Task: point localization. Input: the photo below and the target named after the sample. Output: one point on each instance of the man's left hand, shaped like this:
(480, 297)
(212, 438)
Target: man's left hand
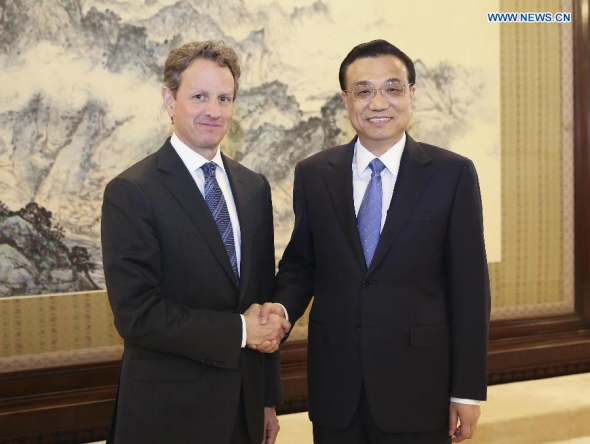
(463, 420)
(271, 425)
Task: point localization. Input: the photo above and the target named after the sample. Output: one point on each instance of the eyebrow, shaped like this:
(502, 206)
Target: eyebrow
(207, 92)
(367, 82)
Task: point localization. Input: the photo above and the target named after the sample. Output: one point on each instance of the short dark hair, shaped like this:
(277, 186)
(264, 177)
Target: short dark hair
(214, 50)
(375, 48)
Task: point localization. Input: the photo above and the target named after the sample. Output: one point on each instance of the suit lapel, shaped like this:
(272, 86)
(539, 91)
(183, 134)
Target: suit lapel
(181, 184)
(411, 181)
(339, 183)
(240, 192)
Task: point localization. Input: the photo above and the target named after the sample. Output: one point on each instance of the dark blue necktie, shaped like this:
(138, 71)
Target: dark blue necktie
(369, 216)
(218, 207)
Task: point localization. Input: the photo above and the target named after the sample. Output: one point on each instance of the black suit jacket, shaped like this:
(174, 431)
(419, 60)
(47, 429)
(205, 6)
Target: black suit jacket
(176, 303)
(413, 327)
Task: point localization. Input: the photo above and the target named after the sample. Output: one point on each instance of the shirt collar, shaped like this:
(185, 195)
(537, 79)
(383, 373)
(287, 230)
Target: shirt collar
(391, 158)
(191, 158)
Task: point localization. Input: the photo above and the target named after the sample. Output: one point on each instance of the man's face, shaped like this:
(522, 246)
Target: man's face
(381, 121)
(203, 106)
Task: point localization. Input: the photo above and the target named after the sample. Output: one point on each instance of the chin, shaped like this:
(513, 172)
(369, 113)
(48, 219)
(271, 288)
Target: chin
(208, 144)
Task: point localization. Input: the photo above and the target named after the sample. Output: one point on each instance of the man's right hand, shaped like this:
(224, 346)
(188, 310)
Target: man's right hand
(269, 309)
(264, 337)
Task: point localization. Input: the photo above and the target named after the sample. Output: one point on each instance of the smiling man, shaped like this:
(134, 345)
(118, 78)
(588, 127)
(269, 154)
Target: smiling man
(388, 238)
(187, 237)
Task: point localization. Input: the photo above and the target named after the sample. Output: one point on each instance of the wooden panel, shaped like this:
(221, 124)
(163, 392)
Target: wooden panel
(582, 155)
(69, 404)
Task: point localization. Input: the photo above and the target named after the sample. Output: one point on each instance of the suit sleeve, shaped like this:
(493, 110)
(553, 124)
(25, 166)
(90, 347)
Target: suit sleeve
(272, 365)
(294, 283)
(469, 289)
(133, 272)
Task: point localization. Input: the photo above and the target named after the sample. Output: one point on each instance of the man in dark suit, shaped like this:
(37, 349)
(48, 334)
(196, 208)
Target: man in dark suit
(388, 238)
(187, 238)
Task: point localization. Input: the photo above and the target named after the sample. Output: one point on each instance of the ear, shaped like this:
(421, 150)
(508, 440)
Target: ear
(169, 100)
(412, 91)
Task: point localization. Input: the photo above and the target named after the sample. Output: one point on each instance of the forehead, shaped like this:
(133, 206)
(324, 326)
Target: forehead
(204, 73)
(376, 70)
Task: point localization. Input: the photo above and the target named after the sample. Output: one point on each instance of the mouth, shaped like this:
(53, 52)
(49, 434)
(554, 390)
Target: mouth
(380, 119)
(209, 124)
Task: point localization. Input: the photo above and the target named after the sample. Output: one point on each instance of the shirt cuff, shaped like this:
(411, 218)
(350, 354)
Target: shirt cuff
(465, 401)
(244, 332)
(285, 310)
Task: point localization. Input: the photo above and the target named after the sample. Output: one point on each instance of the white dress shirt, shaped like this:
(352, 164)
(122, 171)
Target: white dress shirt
(193, 162)
(361, 174)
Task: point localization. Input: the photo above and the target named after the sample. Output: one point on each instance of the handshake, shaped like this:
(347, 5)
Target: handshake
(266, 326)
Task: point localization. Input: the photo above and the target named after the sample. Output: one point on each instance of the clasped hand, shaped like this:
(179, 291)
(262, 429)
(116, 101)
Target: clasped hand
(266, 326)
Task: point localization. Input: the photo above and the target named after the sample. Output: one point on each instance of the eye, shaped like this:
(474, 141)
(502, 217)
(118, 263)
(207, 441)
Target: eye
(200, 97)
(362, 91)
(394, 88)
(225, 100)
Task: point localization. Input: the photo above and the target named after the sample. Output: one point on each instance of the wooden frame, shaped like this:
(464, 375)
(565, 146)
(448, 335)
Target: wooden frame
(74, 404)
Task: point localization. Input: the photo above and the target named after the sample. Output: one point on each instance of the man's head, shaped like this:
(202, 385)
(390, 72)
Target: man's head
(377, 82)
(214, 50)
(375, 48)
(200, 85)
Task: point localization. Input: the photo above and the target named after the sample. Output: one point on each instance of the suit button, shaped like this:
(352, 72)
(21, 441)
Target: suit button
(366, 284)
(358, 327)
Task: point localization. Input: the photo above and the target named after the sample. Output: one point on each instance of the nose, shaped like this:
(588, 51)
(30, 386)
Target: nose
(379, 101)
(212, 109)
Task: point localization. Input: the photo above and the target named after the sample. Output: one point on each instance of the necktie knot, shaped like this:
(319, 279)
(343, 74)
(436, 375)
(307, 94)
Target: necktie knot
(209, 170)
(376, 166)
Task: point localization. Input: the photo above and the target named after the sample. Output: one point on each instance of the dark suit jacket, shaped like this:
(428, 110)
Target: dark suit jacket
(413, 327)
(176, 303)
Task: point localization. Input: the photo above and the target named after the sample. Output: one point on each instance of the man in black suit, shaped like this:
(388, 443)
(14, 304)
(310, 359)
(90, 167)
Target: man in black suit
(187, 237)
(388, 238)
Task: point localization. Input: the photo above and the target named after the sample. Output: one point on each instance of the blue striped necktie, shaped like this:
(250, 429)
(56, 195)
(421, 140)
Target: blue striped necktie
(218, 207)
(369, 216)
